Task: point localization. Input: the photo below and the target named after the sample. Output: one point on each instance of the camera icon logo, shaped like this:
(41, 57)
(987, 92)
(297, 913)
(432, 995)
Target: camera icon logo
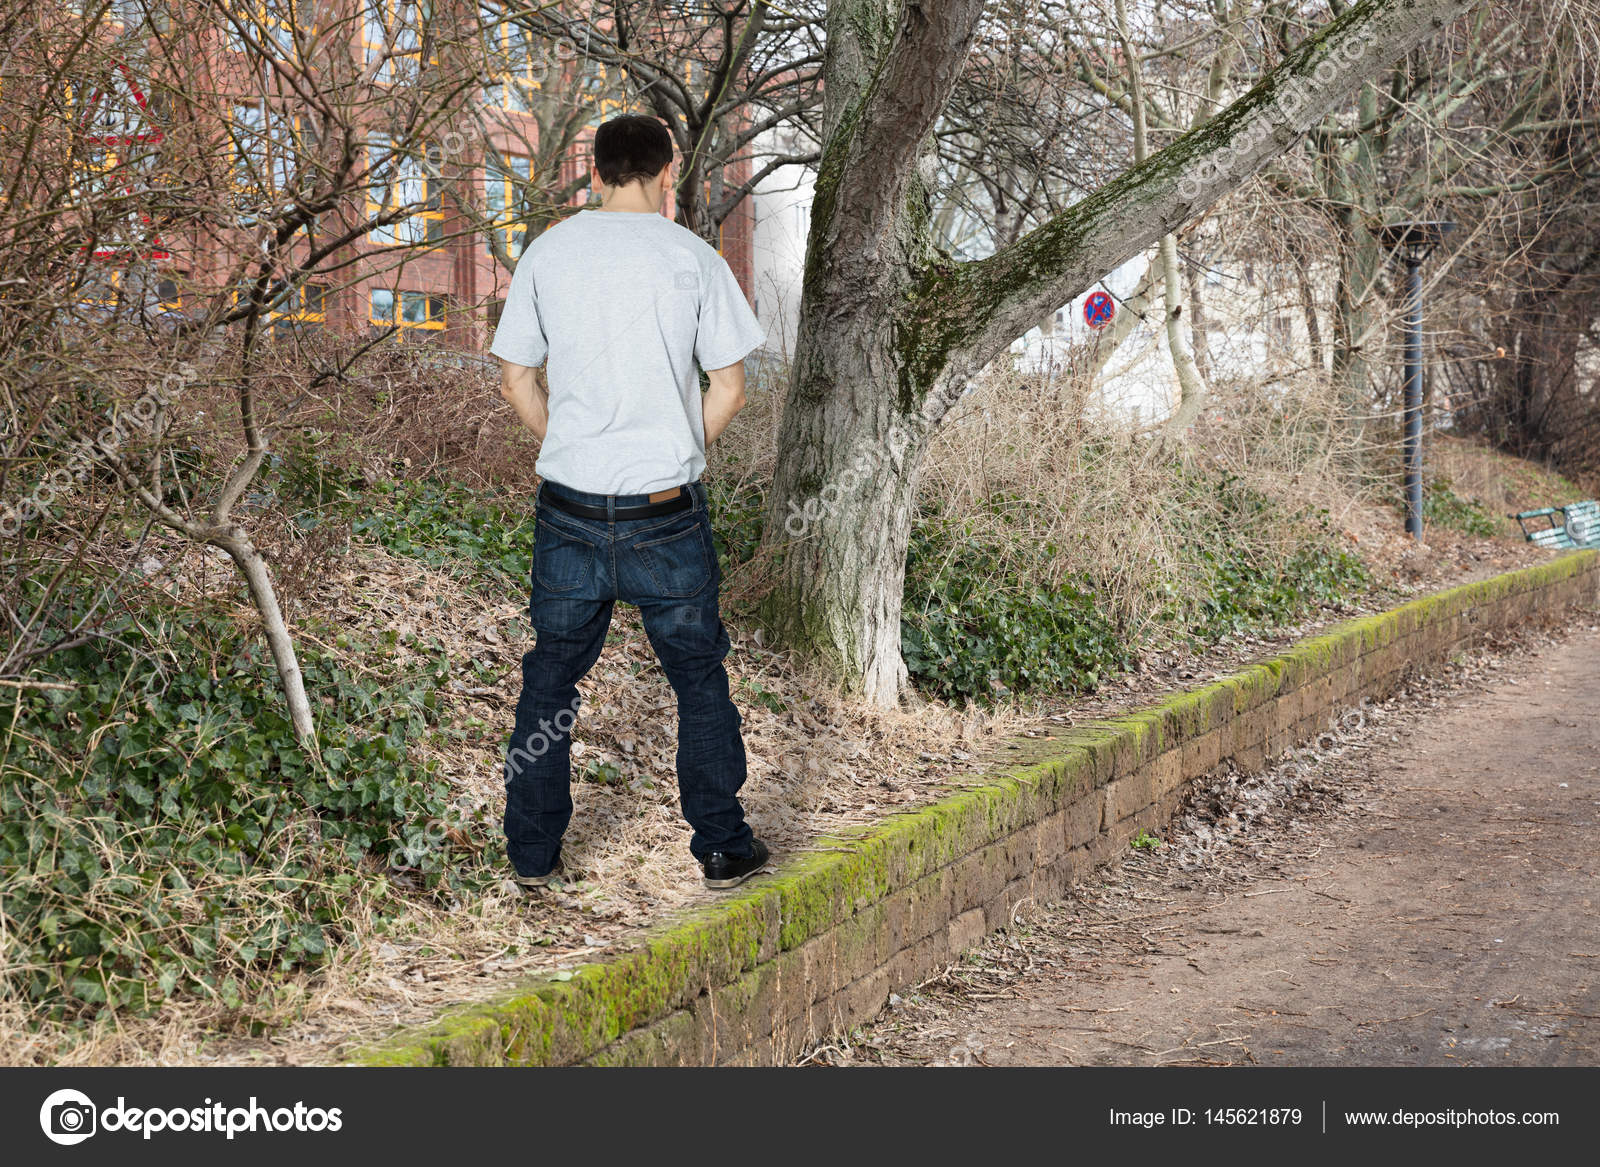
(686, 281)
(67, 1117)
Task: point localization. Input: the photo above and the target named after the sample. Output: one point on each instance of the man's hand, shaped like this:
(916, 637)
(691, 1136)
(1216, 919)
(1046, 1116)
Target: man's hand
(724, 399)
(525, 389)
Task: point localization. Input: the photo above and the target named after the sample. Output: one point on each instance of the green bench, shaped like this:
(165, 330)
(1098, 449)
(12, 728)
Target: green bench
(1579, 525)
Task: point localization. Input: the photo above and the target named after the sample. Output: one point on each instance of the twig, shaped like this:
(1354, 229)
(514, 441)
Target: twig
(1088, 1009)
(1391, 1020)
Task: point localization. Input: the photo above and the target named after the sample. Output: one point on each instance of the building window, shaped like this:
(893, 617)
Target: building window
(169, 298)
(382, 306)
(505, 181)
(596, 83)
(94, 177)
(305, 302)
(269, 24)
(303, 307)
(116, 149)
(266, 147)
(392, 35)
(129, 15)
(112, 106)
(415, 313)
(517, 67)
(114, 160)
(137, 291)
(404, 185)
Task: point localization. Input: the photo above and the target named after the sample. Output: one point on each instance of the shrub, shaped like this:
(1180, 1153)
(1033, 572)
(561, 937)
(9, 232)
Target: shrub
(451, 526)
(1251, 583)
(462, 531)
(990, 611)
(1443, 506)
(170, 837)
(737, 518)
(979, 623)
(1247, 594)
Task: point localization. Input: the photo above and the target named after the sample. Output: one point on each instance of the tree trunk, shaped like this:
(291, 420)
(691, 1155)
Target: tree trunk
(1191, 386)
(852, 436)
(1308, 307)
(891, 330)
(849, 488)
(1360, 316)
(259, 580)
(1199, 329)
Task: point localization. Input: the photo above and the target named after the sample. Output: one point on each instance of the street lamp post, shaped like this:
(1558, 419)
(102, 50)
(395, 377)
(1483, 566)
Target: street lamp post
(1412, 243)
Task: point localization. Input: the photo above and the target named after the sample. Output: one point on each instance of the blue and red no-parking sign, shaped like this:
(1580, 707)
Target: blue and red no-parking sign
(1099, 310)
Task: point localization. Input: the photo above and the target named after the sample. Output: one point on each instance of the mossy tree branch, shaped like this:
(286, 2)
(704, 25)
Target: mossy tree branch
(959, 317)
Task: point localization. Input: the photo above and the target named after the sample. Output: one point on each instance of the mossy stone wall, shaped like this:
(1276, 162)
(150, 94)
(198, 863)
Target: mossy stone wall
(819, 945)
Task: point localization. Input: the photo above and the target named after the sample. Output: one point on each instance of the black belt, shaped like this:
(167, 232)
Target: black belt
(680, 502)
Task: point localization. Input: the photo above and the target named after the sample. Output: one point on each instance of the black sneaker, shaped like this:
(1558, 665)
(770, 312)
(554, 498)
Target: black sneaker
(724, 870)
(556, 877)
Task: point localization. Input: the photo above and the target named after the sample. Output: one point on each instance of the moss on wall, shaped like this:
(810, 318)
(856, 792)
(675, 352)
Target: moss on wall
(545, 1022)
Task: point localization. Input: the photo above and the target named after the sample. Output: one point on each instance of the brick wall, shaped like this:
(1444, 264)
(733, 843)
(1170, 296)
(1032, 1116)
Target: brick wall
(819, 945)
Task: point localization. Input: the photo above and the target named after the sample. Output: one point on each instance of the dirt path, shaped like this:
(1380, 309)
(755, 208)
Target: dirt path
(1423, 892)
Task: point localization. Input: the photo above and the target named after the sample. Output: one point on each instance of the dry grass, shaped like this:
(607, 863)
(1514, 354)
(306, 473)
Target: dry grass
(1502, 483)
(1108, 496)
(817, 762)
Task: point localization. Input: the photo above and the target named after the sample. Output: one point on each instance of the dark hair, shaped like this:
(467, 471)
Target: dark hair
(633, 146)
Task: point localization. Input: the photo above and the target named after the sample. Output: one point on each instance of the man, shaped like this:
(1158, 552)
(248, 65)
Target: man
(624, 303)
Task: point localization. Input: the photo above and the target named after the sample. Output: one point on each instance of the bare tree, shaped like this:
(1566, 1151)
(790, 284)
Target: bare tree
(126, 140)
(721, 75)
(542, 97)
(1522, 306)
(891, 328)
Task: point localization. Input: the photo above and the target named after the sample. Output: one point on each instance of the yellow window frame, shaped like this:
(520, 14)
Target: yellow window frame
(433, 314)
(391, 33)
(276, 21)
(307, 303)
(276, 136)
(501, 173)
(92, 168)
(425, 223)
(514, 67)
(113, 284)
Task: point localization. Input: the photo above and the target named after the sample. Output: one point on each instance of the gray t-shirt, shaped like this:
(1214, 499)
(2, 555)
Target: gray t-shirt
(624, 304)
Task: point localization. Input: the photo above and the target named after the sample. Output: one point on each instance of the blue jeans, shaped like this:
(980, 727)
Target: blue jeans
(666, 565)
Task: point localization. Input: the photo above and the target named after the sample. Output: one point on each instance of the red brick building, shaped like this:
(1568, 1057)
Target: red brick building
(434, 274)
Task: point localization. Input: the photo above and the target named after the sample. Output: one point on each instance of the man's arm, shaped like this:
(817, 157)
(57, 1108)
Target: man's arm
(525, 389)
(724, 399)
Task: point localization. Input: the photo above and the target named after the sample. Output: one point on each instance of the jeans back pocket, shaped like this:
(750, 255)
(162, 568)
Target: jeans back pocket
(562, 562)
(679, 564)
